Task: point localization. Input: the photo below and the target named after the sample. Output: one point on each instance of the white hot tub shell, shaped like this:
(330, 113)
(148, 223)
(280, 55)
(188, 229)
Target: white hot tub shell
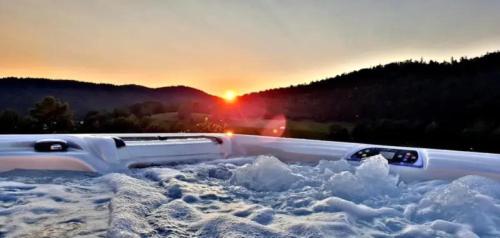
(106, 153)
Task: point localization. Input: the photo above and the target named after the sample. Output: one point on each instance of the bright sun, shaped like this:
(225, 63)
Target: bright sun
(229, 96)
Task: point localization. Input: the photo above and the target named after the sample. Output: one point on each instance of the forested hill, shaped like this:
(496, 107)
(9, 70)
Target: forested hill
(454, 105)
(460, 98)
(461, 89)
(20, 94)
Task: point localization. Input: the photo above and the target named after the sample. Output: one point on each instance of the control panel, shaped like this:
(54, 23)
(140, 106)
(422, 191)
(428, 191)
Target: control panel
(402, 157)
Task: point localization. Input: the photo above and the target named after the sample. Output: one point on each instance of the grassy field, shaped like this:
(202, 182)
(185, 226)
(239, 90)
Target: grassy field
(173, 116)
(290, 128)
(269, 127)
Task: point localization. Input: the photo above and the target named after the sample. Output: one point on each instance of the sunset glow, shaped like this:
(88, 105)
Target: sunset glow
(229, 133)
(165, 43)
(230, 96)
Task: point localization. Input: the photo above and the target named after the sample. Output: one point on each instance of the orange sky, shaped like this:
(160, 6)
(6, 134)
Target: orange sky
(240, 45)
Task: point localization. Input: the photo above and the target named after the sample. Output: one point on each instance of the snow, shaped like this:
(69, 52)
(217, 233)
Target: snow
(248, 197)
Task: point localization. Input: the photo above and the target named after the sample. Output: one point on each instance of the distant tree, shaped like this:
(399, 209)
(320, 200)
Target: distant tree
(123, 125)
(339, 133)
(121, 112)
(208, 124)
(147, 108)
(185, 111)
(171, 107)
(93, 121)
(10, 122)
(422, 103)
(362, 132)
(52, 115)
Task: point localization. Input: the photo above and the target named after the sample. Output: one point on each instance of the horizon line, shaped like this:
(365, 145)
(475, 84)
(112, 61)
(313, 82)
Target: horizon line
(421, 60)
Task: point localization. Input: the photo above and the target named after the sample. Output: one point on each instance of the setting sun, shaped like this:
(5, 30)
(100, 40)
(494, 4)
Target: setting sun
(230, 96)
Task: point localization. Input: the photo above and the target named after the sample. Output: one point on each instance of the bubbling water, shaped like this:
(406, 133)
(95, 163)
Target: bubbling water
(251, 197)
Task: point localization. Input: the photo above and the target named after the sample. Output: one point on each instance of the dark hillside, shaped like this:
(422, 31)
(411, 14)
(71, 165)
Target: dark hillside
(21, 93)
(451, 104)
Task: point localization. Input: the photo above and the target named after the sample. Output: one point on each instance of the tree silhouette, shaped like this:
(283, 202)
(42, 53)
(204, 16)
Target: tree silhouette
(453, 105)
(52, 116)
(10, 122)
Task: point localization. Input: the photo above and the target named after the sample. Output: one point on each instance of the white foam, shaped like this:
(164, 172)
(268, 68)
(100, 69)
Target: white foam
(72, 206)
(251, 197)
(335, 204)
(131, 204)
(469, 200)
(369, 180)
(267, 173)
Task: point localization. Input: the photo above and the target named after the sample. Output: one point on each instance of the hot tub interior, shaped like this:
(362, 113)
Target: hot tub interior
(256, 196)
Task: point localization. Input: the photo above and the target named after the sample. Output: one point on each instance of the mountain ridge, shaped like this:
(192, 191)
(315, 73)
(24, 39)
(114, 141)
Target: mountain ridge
(454, 105)
(383, 84)
(21, 93)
